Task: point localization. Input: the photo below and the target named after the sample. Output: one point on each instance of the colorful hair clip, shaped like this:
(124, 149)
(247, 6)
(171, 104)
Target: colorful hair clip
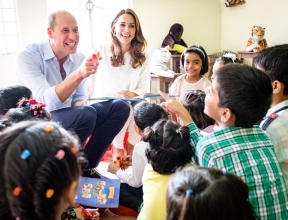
(49, 193)
(74, 150)
(223, 172)
(49, 128)
(189, 191)
(177, 131)
(60, 154)
(25, 154)
(17, 190)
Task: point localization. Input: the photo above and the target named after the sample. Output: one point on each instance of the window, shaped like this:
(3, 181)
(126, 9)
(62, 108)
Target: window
(9, 42)
(93, 18)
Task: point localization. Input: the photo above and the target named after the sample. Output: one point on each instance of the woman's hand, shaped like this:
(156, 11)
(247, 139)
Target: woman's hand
(126, 94)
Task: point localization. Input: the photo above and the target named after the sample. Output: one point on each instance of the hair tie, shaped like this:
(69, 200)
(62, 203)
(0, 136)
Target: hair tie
(25, 154)
(49, 193)
(60, 154)
(74, 150)
(202, 99)
(49, 128)
(223, 172)
(198, 49)
(17, 190)
(189, 191)
(231, 56)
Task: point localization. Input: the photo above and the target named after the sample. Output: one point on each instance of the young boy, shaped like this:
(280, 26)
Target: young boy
(131, 193)
(238, 98)
(274, 62)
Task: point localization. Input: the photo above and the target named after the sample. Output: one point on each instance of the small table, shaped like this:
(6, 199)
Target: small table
(245, 54)
(175, 63)
(162, 83)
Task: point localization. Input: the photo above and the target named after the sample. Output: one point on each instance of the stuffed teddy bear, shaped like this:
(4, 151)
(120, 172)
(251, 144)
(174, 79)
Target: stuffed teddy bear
(158, 63)
(256, 41)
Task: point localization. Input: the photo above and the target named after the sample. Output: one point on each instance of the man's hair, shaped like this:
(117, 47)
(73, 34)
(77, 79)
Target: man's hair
(52, 16)
(246, 91)
(207, 193)
(10, 96)
(199, 50)
(147, 113)
(194, 102)
(274, 62)
(170, 146)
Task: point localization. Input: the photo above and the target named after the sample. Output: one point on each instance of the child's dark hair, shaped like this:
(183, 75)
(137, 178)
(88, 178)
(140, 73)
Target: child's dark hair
(9, 97)
(228, 58)
(194, 102)
(201, 53)
(28, 110)
(147, 113)
(169, 147)
(175, 28)
(207, 193)
(274, 62)
(246, 91)
(29, 168)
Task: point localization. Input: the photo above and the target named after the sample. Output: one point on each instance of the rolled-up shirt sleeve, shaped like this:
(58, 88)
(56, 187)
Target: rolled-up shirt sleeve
(38, 69)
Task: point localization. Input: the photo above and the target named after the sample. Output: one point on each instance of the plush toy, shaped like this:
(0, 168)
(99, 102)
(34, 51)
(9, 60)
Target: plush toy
(256, 41)
(158, 63)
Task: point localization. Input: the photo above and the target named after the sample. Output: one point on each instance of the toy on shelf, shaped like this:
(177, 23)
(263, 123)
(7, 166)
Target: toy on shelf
(158, 63)
(256, 41)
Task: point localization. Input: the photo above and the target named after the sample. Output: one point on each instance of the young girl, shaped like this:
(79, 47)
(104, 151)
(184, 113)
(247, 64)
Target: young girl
(169, 148)
(223, 60)
(194, 102)
(207, 193)
(123, 71)
(173, 40)
(195, 63)
(131, 193)
(41, 180)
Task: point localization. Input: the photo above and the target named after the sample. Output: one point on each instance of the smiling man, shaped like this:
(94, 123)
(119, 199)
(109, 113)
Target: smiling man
(56, 74)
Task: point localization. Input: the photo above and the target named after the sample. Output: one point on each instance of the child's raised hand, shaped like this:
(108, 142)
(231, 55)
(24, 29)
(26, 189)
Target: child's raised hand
(127, 160)
(171, 105)
(113, 167)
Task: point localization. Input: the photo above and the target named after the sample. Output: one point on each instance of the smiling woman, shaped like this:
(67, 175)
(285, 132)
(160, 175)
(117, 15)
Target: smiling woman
(124, 67)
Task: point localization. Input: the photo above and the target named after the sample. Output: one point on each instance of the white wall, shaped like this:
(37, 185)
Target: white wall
(236, 23)
(201, 20)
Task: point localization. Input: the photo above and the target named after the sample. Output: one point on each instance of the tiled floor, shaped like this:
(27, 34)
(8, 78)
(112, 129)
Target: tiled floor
(102, 168)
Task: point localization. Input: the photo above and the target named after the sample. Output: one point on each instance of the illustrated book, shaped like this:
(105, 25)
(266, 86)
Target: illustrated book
(100, 193)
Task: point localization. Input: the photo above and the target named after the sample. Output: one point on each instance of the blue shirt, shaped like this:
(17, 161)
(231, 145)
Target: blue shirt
(38, 69)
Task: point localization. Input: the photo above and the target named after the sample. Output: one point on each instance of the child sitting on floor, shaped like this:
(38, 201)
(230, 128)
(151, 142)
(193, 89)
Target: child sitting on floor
(274, 62)
(131, 193)
(169, 148)
(39, 171)
(238, 98)
(207, 193)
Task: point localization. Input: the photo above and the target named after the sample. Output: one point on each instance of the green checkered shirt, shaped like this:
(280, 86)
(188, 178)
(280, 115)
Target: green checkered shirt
(248, 153)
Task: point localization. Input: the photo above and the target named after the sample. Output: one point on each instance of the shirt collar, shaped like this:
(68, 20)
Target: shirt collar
(49, 54)
(276, 107)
